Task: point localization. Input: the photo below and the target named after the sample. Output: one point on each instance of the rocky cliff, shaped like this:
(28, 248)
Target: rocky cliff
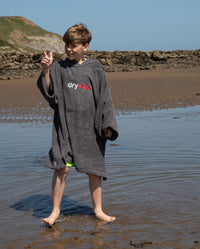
(19, 33)
(15, 64)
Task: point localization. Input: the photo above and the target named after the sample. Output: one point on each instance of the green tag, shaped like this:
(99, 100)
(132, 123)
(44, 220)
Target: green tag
(69, 164)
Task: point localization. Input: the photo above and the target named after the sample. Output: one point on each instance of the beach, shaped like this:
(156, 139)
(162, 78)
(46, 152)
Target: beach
(131, 91)
(153, 167)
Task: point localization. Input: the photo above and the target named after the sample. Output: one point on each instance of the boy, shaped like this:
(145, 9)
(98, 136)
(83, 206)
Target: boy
(84, 118)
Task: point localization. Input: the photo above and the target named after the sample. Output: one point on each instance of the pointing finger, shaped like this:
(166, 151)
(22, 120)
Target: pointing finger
(51, 54)
(44, 52)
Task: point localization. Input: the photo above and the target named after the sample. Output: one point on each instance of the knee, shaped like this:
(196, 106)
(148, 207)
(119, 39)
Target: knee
(62, 173)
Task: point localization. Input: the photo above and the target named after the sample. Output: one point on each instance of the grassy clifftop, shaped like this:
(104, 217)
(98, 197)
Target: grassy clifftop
(19, 33)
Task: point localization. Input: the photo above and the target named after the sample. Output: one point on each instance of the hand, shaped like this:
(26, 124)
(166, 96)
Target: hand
(108, 132)
(46, 61)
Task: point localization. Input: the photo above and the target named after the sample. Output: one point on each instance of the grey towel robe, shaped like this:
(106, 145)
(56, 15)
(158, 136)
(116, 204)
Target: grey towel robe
(83, 108)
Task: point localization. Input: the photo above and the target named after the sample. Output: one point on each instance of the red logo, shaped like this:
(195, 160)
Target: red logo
(76, 86)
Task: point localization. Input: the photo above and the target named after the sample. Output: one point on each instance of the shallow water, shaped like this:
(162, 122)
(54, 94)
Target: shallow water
(152, 189)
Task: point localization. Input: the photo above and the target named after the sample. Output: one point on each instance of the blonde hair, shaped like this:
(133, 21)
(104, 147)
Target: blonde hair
(78, 33)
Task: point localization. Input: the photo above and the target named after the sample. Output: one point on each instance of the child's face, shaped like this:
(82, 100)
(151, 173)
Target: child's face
(76, 51)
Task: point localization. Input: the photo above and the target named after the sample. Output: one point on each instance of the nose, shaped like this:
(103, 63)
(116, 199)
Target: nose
(67, 48)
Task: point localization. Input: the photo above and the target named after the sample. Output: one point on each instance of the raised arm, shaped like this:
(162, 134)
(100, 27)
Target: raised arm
(46, 63)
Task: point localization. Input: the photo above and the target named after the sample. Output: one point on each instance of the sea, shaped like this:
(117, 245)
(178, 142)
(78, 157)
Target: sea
(153, 186)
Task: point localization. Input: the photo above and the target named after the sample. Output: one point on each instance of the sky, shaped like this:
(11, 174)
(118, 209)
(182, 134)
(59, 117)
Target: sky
(134, 25)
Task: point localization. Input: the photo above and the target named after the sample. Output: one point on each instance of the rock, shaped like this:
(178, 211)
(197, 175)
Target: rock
(157, 56)
(140, 245)
(16, 64)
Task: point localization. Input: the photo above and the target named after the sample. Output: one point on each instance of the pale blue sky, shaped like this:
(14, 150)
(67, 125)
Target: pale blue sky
(118, 24)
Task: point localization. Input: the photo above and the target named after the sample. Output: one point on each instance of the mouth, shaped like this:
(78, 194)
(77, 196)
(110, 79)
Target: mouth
(70, 56)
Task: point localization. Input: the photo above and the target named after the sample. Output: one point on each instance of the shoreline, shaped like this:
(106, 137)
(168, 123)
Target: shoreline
(131, 91)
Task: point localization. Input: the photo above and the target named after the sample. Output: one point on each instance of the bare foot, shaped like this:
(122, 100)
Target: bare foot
(52, 218)
(102, 216)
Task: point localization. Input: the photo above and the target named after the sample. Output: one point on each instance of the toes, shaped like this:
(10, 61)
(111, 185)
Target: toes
(105, 217)
(48, 222)
(113, 218)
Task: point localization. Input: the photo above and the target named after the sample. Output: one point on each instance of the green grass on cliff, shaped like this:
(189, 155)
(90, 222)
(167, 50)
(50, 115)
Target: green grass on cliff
(9, 24)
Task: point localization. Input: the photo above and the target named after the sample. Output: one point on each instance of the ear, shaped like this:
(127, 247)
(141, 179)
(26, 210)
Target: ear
(86, 46)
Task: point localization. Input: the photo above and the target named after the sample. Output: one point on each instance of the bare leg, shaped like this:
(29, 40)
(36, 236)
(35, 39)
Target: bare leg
(58, 186)
(96, 193)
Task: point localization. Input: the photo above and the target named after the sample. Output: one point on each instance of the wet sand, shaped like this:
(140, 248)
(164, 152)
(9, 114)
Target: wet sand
(149, 90)
(131, 91)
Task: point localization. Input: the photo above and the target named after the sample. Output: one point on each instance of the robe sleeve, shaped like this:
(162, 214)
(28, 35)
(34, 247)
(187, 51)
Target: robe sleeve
(50, 95)
(108, 110)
